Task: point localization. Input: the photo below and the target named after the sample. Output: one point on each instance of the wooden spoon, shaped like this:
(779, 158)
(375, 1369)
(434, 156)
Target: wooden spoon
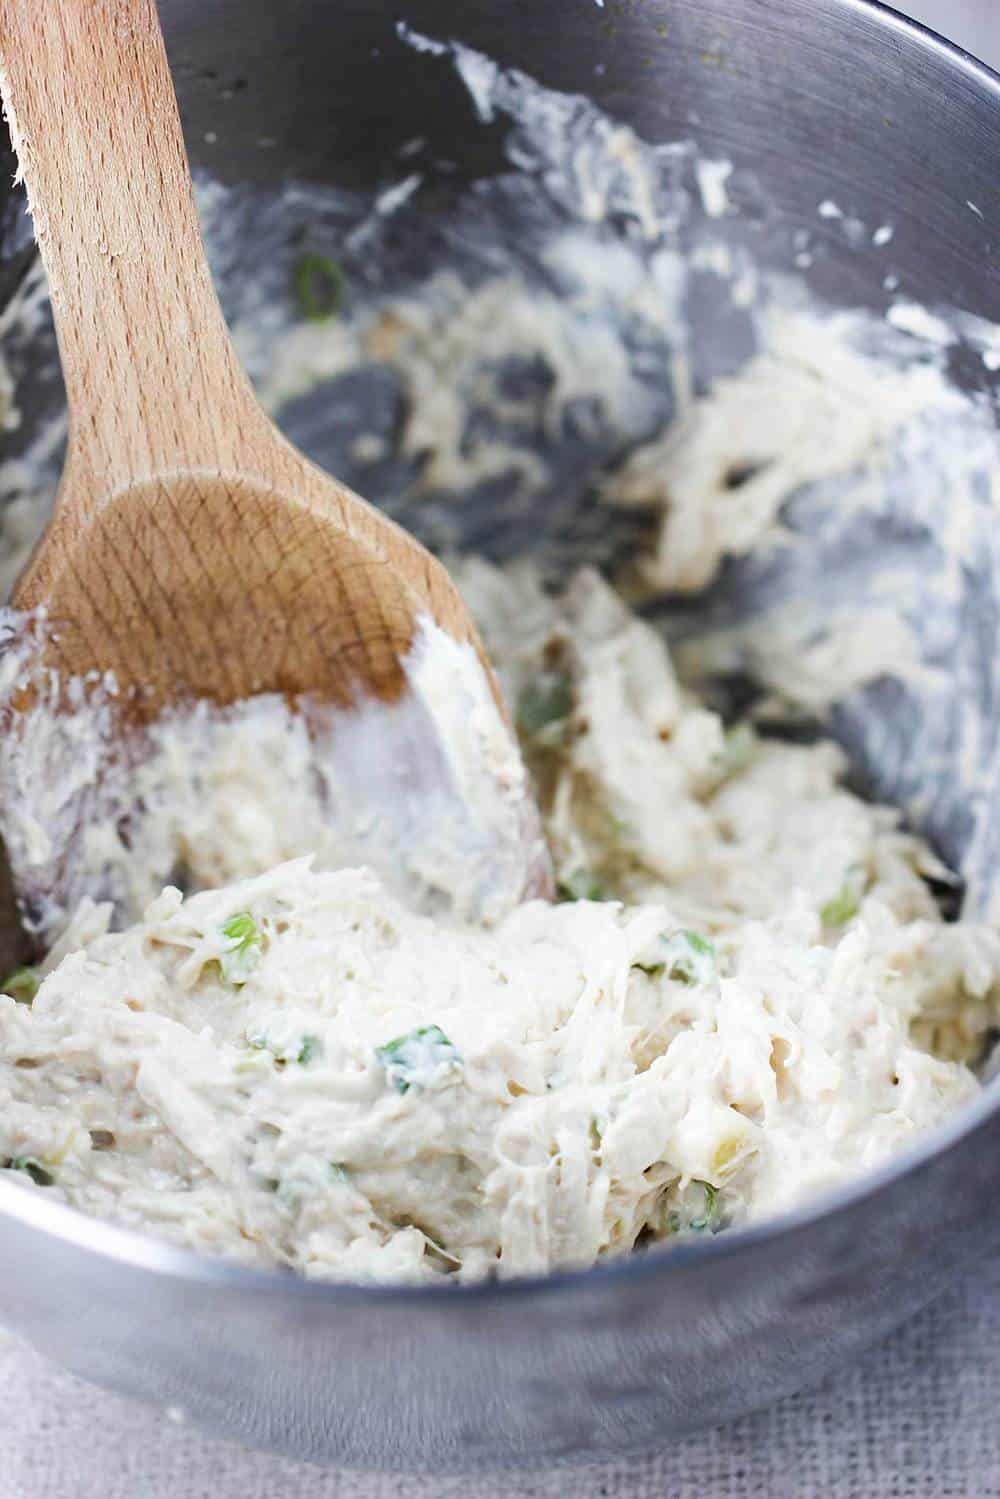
(194, 553)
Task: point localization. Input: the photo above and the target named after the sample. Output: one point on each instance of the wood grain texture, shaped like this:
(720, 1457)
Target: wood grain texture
(193, 550)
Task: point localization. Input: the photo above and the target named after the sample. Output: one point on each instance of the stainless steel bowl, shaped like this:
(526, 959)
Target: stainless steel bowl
(833, 97)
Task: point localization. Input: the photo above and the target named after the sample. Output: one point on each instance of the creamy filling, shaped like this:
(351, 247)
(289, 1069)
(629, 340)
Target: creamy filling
(746, 994)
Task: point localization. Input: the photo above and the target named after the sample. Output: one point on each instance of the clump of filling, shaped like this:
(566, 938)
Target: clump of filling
(746, 993)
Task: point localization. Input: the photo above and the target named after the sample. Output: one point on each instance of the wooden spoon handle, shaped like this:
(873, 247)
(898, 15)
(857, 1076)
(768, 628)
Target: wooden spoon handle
(152, 380)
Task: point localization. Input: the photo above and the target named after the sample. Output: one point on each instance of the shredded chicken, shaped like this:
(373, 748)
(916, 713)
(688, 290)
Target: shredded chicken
(746, 995)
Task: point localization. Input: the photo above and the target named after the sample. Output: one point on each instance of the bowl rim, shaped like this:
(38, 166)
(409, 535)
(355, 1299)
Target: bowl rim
(928, 37)
(139, 1251)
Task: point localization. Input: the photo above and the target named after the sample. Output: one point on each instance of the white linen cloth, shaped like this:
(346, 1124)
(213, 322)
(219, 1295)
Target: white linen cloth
(916, 1418)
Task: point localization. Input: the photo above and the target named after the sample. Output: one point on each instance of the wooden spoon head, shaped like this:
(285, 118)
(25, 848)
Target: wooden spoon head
(222, 590)
(197, 563)
(220, 587)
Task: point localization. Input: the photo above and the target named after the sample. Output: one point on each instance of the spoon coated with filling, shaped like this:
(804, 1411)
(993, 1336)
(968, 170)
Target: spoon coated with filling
(195, 554)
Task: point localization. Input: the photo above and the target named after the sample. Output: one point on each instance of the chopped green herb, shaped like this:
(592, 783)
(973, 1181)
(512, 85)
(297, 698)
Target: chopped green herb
(689, 958)
(596, 1134)
(421, 1059)
(241, 928)
(652, 970)
(339, 1172)
(311, 1047)
(22, 985)
(319, 286)
(32, 1168)
(243, 954)
(706, 1222)
(740, 747)
(544, 703)
(580, 885)
(843, 907)
(303, 1051)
